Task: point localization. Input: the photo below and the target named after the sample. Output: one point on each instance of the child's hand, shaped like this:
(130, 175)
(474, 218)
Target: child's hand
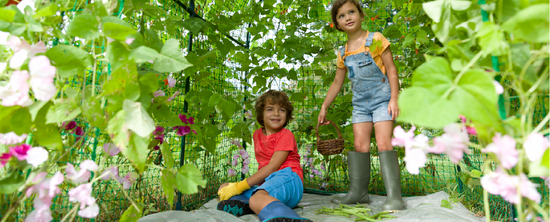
(321, 118)
(222, 186)
(393, 110)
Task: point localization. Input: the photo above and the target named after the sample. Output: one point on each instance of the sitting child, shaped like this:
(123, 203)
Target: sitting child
(279, 175)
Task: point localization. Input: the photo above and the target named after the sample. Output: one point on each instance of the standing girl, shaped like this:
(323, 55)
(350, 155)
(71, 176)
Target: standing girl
(375, 89)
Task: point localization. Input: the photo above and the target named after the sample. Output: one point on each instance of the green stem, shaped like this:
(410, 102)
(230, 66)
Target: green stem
(94, 69)
(457, 79)
(75, 208)
(542, 123)
(487, 208)
(519, 205)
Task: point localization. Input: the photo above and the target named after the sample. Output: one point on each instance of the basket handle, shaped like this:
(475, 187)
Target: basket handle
(334, 124)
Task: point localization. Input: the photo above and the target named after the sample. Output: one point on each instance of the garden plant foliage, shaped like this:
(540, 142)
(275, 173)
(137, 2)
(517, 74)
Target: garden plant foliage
(454, 52)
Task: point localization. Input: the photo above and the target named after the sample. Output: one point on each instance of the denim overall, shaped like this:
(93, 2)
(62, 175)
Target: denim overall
(371, 88)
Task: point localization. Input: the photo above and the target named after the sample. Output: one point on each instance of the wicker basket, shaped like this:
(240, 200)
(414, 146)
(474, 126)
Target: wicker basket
(330, 147)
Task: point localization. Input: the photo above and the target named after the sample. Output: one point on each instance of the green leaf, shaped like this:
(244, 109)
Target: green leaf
(228, 107)
(188, 178)
(116, 28)
(530, 24)
(144, 54)
(69, 60)
(434, 75)
(91, 109)
(61, 112)
(214, 100)
(7, 14)
(49, 136)
(171, 58)
(123, 83)
(536, 169)
(167, 181)
(84, 26)
(137, 119)
(118, 130)
(168, 158)
(46, 11)
(131, 214)
(150, 82)
(491, 39)
(445, 203)
(12, 182)
(137, 152)
(423, 108)
(475, 174)
(117, 54)
(545, 161)
(476, 98)
(260, 81)
(35, 107)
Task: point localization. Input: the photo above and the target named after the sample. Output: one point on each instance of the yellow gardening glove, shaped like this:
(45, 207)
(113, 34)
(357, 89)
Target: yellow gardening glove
(233, 189)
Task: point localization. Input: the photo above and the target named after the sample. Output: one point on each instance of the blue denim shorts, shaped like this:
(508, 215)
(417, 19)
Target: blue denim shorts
(284, 185)
(375, 108)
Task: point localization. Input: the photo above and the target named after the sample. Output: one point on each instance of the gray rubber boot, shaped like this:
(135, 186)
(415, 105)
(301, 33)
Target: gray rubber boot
(389, 165)
(359, 178)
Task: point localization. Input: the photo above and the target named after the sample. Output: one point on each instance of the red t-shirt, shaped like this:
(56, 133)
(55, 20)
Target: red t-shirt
(265, 146)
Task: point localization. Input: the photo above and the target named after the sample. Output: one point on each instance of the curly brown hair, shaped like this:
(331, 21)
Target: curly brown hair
(337, 4)
(273, 97)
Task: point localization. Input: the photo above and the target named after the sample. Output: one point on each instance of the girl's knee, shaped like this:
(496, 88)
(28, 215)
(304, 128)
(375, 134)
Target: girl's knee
(384, 146)
(362, 146)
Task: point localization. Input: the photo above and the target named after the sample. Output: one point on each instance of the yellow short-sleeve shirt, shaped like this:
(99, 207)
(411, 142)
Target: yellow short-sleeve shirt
(376, 55)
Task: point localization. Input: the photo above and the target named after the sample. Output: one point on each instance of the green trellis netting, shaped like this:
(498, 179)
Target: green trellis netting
(439, 174)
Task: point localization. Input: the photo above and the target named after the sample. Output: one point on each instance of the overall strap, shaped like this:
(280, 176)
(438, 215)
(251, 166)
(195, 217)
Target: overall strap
(342, 52)
(368, 43)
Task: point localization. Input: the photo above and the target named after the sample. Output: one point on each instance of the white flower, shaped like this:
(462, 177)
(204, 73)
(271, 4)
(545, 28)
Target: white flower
(11, 138)
(37, 156)
(535, 145)
(89, 212)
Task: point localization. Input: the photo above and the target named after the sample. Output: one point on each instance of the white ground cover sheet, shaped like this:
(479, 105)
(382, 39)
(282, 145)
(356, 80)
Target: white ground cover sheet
(420, 208)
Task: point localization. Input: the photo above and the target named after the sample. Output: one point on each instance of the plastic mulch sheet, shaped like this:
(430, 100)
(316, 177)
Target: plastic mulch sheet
(419, 208)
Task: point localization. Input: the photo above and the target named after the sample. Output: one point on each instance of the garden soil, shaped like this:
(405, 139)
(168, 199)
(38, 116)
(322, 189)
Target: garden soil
(420, 208)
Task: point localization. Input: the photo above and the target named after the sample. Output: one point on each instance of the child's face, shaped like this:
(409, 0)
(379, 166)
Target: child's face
(348, 17)
(274, 117)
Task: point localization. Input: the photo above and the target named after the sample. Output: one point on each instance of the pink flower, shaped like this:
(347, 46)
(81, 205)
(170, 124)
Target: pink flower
(183, 118)
(470, 129)
(246, 162)
(111, 149)
(173, 96)
(182, 130)
(500, 183)
(402, 138)
(535, 145)
(46, 188)
(171, 81)
(20, 151)
(129, 41)
(248, 114)
(16, 92)
(453, 142)
(195, 132)
(71, 125)
(156, 147)
(129, 179)
(244, 154)
(191, 120)
(159, 93)
(415, 159)
(235, 160)
(89, 212)
(4, 159)
(498, 88)
(236, 143)
(37, 156)
(83, 174)
(315, 171)
(231, 172)
(82, 194)
(11, 138)
(78, 131)
(111, 172)
(42, 75)
(504, 147)
(41, 212)
(158, 129)
(245, 169)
